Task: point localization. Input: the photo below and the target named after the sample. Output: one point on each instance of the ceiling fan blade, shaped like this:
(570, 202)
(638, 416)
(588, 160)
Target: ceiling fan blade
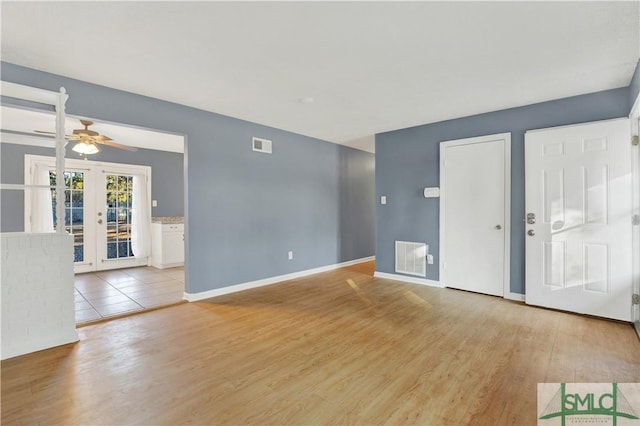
(116, 145)
(44, 132)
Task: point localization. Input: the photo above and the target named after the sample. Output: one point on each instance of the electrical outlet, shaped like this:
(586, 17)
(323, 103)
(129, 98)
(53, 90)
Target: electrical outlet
(383, 199)
(290, 255)
(430, 259)
(154, 203)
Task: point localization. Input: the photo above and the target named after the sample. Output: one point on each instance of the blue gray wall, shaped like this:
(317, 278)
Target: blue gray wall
(167, 178)
(408, 160)
(244, 210)
(634, 87)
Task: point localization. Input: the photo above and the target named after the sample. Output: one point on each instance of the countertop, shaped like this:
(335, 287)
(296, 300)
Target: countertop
(167, 219)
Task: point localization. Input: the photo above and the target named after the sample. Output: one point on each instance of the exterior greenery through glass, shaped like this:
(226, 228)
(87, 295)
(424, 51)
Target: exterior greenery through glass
(119, 198)
(119, 195)
(74, 209)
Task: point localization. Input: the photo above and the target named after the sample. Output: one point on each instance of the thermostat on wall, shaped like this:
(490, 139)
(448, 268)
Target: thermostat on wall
(432, 192)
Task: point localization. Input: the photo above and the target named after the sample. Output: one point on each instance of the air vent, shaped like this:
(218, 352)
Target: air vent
(411, 258)
(262, 145)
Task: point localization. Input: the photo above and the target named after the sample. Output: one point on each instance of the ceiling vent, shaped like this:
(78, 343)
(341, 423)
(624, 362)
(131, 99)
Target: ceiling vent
(262, 145)
(411, 258)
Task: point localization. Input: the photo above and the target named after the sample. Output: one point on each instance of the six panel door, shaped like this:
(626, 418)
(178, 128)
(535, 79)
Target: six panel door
(578, 213)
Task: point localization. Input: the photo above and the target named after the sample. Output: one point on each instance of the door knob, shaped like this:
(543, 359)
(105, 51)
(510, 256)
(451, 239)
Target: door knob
(99, 221)
(498, 227)
(531, 232)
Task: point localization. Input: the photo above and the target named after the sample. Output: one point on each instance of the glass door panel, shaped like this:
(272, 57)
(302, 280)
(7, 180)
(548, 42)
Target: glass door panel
(74, 217)
(114, 244)
(97, 210)
(119, 198)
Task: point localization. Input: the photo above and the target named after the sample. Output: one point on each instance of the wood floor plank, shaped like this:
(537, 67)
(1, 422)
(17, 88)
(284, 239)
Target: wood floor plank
(340, 347)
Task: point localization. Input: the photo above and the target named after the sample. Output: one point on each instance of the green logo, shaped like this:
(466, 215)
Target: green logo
(613, 404)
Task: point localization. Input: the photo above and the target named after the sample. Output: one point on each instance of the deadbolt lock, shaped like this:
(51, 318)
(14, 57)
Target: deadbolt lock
(531, 232)
(531, 218)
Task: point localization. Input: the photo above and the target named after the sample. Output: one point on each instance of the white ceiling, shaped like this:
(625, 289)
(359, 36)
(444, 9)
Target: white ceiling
(369, 66)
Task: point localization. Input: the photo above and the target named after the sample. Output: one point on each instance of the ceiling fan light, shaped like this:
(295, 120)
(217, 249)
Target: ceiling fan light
(85, 148)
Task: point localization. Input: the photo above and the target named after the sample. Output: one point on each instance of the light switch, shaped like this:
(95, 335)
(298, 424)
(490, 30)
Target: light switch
(383, 199)
(154, 203)
(432, 192)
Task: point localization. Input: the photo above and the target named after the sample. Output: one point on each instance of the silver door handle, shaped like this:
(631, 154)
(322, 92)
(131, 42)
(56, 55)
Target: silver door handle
(531, 232)
(498, 227)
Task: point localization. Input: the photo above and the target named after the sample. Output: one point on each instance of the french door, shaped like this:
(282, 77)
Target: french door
(99, 201)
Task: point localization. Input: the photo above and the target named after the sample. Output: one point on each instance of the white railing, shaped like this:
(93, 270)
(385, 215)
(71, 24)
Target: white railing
(58, 100)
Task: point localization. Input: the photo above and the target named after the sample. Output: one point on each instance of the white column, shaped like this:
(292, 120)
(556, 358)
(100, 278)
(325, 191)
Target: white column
(60, 152)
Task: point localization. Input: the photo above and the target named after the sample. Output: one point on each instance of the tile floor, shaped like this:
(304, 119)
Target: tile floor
(109, 293)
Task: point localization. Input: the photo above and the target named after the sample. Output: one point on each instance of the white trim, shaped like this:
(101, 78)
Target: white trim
(18, 186)
(193, 297)
(635, 109)
(514, 296)
(32, 345)
(634, 119)
(33, 140)
(572, 125)
(407, 279)
(33, 94)
(506, 137)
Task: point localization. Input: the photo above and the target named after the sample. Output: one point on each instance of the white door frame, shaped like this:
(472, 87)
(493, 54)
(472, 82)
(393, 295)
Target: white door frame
(95, 170)
(507, 206)
(634, 118)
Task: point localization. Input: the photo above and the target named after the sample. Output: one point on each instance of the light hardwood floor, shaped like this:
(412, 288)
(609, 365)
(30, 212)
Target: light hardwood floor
(336, 348)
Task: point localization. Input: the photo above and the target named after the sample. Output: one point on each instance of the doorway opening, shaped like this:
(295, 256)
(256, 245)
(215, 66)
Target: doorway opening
(106, 210)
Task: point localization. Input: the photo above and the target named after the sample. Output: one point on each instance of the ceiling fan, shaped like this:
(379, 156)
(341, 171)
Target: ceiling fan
(88, 140)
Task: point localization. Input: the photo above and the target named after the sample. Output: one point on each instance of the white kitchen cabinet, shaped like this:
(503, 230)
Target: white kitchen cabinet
(167, 245)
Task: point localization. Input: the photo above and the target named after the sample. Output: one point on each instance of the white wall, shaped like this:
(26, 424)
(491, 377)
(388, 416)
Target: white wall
(37, 292)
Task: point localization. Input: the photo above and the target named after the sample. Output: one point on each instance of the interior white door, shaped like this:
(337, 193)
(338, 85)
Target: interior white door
(474, 213)
(578, 196)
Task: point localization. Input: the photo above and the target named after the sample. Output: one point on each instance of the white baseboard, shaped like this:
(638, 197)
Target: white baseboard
(423, 281)
(413, 280)
(514, 296)
(27, 346)
(192, 297)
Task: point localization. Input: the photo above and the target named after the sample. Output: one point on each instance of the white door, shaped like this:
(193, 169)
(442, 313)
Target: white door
(78, 208)
(114, 205)
(635, 154)
(474, 222)
(98, 210)
(578, 206)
